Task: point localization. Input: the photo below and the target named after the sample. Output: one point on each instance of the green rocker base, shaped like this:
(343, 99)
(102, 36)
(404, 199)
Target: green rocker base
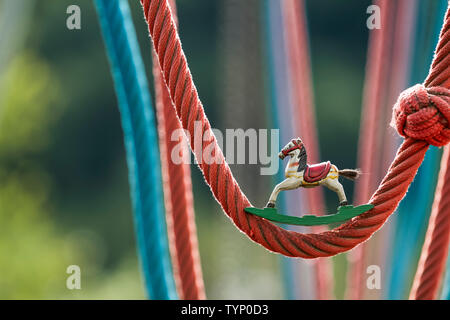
(344, 213)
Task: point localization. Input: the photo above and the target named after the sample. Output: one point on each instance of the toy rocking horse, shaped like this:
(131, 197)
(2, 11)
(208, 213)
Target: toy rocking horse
(299, 173)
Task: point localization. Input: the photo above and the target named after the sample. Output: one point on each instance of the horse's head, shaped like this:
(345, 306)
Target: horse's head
(289, 149)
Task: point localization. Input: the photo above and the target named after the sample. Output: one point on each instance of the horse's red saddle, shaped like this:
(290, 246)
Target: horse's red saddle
(316, 172)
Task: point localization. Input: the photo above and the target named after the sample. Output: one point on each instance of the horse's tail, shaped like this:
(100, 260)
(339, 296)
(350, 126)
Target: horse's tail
(351, 174)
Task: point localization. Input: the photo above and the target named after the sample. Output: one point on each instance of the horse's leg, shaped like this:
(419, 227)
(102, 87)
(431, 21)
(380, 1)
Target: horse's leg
(336, 186)
(287, 184)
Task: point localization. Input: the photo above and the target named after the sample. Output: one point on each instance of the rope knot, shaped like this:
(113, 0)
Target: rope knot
(423, 114)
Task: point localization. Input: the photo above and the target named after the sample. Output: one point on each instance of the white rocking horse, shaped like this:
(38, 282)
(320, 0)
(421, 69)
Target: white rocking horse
(300, 174)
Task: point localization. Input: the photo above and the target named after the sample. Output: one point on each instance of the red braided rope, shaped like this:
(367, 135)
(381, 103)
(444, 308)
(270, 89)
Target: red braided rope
(178, 197)
(435, 249)
(439, 75)
(226, 190)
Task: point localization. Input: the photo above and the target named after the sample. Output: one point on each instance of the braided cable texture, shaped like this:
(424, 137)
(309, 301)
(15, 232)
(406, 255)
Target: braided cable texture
(424, 114)
(223, 185)
(177, 186)
(439, 75)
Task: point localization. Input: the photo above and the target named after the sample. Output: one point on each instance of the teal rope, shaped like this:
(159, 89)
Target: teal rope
(141, 144)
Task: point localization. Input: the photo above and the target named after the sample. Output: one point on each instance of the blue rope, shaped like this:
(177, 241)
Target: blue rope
(141, 144)
(414, 211)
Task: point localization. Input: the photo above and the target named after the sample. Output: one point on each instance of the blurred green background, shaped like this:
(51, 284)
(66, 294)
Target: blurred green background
(64, 195)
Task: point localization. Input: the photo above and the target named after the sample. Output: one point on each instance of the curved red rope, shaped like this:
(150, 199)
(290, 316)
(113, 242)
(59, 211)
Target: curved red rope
(179, 206)
(225, 188)
(435, 248)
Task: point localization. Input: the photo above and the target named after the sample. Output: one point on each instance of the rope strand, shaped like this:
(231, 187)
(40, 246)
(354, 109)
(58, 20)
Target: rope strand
(177, 186)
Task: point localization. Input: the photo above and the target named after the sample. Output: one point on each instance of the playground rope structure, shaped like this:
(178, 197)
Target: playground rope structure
(429, 122)
(177, 186)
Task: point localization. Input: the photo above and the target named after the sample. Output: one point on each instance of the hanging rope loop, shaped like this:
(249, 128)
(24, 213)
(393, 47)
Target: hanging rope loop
(423, 114)
(226, 190)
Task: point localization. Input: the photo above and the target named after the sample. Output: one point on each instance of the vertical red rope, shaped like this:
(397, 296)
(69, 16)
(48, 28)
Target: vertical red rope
(439, 74)
(178, 197)
(300, 74)
(434, 252)
(225, 188)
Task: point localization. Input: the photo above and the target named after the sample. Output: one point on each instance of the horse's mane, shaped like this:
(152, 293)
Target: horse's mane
(302, 159)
